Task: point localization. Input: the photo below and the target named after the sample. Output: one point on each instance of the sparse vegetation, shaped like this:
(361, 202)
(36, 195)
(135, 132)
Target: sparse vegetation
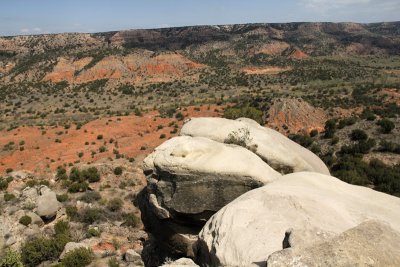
(79, 257)
(25, 220)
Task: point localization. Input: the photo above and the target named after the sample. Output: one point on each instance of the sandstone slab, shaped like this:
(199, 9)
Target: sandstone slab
(261, 218)
(277, 150)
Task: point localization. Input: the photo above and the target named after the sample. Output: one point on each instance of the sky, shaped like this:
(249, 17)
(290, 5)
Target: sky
(25, 17)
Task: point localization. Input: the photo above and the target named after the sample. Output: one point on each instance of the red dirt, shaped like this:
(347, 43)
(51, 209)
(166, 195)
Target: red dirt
(42, 154)
(264, 70)
(144, 67)
(295, 115)
(392, 95)
(298, 54)
(273, 49)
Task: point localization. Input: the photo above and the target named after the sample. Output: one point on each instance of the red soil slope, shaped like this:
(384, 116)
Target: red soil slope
(42, 153)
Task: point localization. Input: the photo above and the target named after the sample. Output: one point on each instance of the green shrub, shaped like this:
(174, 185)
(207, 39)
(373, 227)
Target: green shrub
(162, 136)
(115, 204)
(79, 257)
(113, 262)
(244, 112)
(91, 215)
(3, 184)
(362, 147)
(62, 198)
(35, 251)
(335, 140)
(386, 125)
(118, 170)
(313, 133)
(100, 137)
(25, 220)
(330, 128)
(61, 174)
(346, 122)
(90, 197)
(353, 169)
(91, 174)
(130, 219)
(302, 139)
(179, 116)
(30, 183)
(11, 259)
(241, 138)
(92, 232)
(72, 212)
(62, 228)
(78, 187)
(8, 197)
(167, 111)
(75, 175)
(386, 146)
(357, 135)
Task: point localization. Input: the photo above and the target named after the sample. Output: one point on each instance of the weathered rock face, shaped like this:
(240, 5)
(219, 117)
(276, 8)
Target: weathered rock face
(187, 169)
(278, 151)
(371, 243)
(189, 179)
(312, 205)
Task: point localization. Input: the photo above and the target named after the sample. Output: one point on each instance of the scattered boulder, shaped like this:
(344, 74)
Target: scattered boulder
(47, 204)
(371, 243)
(278, 151)
(191, 178)
(35, 218)
(132, 256)
(262, 218)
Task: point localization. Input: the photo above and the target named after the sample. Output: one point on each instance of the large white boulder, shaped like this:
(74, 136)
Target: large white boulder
(196, 174)
(191, 178)
(277, 150)
(256, 224)
(47, 204)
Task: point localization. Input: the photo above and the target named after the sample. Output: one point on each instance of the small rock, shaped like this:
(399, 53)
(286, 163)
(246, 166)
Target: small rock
(35, 218)
(180, 262)
(10, 241)
(132, 256)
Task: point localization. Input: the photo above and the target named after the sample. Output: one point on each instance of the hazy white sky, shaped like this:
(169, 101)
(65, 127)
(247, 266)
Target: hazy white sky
(51, 16)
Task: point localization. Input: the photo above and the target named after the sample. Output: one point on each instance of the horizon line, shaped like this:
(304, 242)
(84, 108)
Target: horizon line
(197, 25)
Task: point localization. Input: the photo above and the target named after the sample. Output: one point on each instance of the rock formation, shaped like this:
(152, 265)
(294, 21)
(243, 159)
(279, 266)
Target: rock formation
(371, 243)
(312, 205)
(275, 149)
(47, 204)
(189, 179)
(295, 115)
